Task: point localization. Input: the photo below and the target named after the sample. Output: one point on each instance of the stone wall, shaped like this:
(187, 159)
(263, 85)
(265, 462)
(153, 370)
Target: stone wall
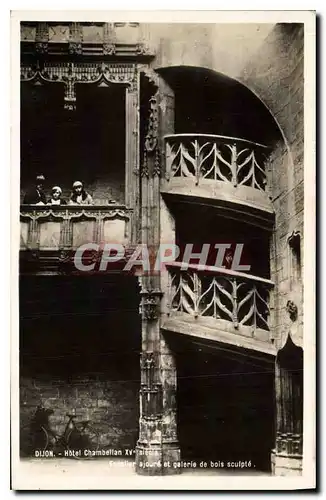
(276, 73)
(79, 353)
(112, 406)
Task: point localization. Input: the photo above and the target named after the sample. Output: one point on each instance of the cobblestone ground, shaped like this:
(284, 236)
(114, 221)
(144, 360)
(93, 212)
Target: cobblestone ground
(65, 473)
(103, 474)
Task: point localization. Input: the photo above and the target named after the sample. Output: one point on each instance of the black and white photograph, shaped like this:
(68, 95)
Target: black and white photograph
(165, 175)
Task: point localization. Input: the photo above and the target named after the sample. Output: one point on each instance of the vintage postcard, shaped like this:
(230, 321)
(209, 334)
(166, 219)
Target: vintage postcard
(163, 218)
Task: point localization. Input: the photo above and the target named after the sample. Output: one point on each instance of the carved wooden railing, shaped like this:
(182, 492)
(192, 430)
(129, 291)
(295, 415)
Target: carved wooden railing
(219, 293)
(217, 158)
(45, 227)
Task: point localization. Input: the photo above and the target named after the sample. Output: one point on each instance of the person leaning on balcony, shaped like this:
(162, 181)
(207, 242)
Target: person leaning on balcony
(79, 196)
(36, 196)
(56, 196)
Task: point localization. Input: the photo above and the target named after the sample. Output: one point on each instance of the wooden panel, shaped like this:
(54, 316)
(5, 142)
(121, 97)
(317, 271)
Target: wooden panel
(83, 232)
(50, 235)
(24, 227)
(114, 231)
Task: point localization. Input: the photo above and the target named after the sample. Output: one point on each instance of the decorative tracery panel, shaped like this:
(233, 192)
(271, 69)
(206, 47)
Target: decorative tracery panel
(234, 297)
(216, 158)
(71, 73)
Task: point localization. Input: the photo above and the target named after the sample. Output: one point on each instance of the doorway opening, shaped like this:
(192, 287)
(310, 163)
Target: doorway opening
(225, 406)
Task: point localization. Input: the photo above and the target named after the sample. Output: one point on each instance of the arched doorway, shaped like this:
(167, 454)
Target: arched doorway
(289, 405)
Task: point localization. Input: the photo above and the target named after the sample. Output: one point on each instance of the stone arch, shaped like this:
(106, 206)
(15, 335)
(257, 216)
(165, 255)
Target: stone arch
(289, 353)
(165, 70)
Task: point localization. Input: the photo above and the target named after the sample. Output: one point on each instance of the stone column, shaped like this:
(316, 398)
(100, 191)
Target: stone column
(170, 444)
(132, 156)
(149, 446)
(157, 447)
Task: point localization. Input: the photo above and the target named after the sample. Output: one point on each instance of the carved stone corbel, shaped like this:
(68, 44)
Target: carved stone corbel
(42, 38)
(41, 47)
(65, 256)
(109, 47)
(75, 48)
(142, 49)
(292, 310)
(75, 39)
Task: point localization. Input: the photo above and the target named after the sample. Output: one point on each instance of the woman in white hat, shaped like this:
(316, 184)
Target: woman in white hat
(56, 199)
(79, 196)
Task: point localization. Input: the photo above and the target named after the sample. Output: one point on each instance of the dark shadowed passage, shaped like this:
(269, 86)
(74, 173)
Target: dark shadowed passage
(225, 406)
(79, 353)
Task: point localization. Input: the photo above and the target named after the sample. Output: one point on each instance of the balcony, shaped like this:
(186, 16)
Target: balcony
(219, 304)
(45, 227)
(51, 232)
(225, 169)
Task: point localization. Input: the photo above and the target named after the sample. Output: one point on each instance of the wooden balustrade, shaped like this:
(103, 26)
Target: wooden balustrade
(217, 158)
(219, 293)
(45, 227)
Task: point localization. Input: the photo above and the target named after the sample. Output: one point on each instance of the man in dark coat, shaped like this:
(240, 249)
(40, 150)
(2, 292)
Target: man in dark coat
(36, 195)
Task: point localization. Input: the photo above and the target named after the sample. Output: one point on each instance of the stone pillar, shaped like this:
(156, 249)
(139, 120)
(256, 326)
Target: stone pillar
(170, 444)
(287, 455)
(132, 156)
(149, 446)
(157, 448)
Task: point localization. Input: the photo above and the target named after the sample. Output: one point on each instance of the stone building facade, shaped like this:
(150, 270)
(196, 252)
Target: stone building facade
(183, 134)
